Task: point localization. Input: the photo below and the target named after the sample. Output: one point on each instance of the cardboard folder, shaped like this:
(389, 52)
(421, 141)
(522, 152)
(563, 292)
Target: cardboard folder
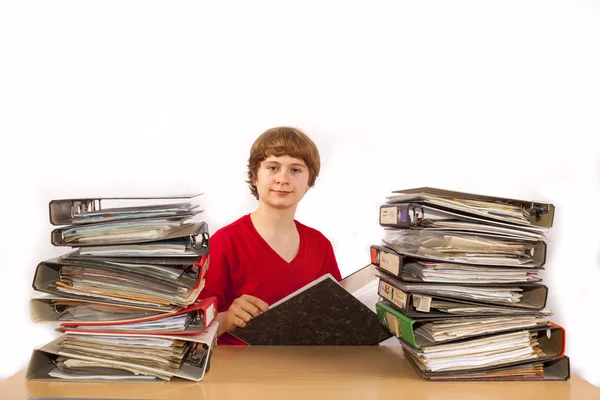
(321, 313)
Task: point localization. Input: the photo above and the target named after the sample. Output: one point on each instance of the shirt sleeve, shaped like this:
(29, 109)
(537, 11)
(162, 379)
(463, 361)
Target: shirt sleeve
(218, 278)
(331, 265)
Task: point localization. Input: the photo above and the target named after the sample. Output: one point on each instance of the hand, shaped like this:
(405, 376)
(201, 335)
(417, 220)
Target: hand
(242, 310)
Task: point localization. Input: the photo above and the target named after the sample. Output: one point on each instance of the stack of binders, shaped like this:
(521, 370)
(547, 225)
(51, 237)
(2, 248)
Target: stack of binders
(128, 295)
(460, 286)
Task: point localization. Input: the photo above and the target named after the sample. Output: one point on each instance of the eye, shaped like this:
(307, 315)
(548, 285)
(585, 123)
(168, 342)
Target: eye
(296, 170)
(272, 168)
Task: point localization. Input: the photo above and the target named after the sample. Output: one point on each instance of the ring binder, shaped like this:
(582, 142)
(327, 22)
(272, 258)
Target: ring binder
(66, 211)
(534, 216)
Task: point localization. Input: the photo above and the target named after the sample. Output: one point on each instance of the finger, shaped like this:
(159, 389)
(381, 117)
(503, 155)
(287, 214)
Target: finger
(238, 322)
(240, 313)
(249, 308)
(262, 306)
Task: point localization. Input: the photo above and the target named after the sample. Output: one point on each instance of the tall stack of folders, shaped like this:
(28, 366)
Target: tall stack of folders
(127, 297)
(460, 286)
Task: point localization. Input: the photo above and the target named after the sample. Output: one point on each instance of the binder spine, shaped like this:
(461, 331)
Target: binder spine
(403, 216)
(397, 323)
(62, 212)
(393, 295)
(389, 261)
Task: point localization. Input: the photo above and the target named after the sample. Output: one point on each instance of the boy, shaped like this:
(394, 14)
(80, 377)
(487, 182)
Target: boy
(266, 255)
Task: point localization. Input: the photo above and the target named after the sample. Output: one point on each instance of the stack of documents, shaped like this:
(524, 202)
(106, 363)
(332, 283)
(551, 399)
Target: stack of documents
(460, 286)
(128, 294)
(117, 357)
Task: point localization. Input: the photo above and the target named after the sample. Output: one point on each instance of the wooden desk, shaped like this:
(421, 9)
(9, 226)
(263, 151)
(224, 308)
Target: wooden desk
(308, 373)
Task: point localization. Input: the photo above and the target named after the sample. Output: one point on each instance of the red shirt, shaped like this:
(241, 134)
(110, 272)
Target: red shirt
(242, 262)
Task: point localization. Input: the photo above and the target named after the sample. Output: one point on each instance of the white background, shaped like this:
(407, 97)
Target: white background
(145, 98)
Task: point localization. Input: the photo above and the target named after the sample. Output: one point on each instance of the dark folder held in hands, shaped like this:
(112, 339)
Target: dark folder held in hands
(321, 313)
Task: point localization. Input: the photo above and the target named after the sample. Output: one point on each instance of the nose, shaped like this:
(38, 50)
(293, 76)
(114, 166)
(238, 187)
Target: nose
(282, 176)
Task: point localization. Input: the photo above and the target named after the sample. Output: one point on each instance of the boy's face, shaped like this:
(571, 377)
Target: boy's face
(281, 182)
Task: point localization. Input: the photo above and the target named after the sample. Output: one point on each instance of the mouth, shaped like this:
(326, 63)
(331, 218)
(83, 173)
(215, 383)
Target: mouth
(281, 192)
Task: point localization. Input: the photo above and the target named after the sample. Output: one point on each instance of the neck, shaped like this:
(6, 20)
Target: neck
(273, 218)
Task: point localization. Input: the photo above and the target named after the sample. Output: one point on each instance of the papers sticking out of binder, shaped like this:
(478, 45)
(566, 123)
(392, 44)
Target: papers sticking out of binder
(169, 220)
(154, 287)
(128, 232)
(191, 320)
(127, 295)
(90, 210)
(429, 331)
(498, 350)
(437, 300)
(447, 204)
(63, 309)
(557, 369)
(480, 249)
(95, 357)
(460, 285)
(413, 269)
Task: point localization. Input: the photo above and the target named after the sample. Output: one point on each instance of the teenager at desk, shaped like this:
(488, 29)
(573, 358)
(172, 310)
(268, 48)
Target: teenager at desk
(266, 255)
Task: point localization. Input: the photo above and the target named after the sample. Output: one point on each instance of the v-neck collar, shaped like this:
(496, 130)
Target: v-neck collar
(268, 246)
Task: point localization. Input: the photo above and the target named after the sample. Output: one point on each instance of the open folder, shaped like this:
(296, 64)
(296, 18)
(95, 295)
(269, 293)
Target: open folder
(321, 313)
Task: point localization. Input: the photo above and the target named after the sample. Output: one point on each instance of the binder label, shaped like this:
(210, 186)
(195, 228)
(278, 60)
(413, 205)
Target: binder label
(399, 298)
(385, 290)
(210, 314)
(393, 325)
(390, 262)
(392, 294)
(388, 215)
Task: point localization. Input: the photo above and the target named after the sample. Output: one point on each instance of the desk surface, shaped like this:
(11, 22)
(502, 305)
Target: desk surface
(308, 373)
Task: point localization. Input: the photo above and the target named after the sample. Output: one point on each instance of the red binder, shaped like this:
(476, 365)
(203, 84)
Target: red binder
(201, 313)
